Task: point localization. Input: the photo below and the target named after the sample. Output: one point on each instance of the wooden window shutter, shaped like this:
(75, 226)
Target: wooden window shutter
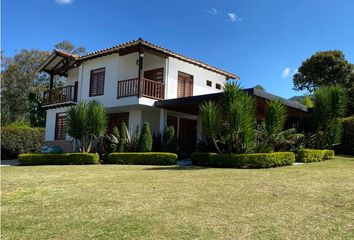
(60, 126)
(97, 82)
(185, 85)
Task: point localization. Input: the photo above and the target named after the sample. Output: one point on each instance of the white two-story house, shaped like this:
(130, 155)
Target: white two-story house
(138, 82)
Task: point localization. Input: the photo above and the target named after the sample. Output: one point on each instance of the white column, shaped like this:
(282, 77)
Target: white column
(134, 120)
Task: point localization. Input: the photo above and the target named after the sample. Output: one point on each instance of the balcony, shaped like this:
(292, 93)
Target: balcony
(149, 88)
(60, 96)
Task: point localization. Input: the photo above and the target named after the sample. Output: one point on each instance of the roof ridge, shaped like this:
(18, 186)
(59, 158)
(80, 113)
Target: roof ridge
(157, 47)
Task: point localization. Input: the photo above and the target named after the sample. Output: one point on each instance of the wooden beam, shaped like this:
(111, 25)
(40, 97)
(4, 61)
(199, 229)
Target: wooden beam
(51, 81)
(141, 71)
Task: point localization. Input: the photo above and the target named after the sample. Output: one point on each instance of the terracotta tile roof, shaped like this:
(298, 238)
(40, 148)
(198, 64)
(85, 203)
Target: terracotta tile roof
(162, 50)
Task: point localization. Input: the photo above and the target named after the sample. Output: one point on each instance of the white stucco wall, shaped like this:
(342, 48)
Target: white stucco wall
(200, 75)
(134, 120)
(50, 122)
(116, 68)
(73, 75)
(153, 118)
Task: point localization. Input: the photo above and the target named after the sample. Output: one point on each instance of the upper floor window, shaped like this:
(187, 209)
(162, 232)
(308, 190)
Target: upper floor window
(60, 126)
(185, 85)
(155, 75)
(97, 82)
(218, 86)
(209, 83)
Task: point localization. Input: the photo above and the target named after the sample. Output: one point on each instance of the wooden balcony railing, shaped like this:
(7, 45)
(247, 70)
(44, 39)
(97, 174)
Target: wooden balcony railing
(60, 95)
(149, 88)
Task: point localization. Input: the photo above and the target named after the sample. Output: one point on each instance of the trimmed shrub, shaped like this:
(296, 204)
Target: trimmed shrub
(16, 140)
(312, 155)
(169, 143)
(145, 140)
(30, 159)
(123, 134)
(253, 160)
(147, 158)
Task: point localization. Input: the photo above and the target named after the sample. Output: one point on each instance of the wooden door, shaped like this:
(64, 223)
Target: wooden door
(114, 120)
(187, 136)
(185, 85)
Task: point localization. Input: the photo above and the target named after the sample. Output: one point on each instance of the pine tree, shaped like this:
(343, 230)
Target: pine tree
(123, 131)
(145, 140)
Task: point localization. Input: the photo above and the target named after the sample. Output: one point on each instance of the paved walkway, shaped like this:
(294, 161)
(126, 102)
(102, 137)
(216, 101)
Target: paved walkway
(13, 162)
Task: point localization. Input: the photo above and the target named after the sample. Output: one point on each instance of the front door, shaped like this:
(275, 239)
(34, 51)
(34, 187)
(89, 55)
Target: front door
(187, 135)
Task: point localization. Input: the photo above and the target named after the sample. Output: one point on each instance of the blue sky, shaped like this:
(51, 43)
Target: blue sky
(264, 42)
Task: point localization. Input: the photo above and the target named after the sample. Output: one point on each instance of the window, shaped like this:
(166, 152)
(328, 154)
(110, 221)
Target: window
(155, 75)
(218, 86)
(209, 83)
(97, 82)
(185, 85)
(60, 126)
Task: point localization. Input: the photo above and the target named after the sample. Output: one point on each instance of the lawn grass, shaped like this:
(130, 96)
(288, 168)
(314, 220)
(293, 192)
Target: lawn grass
(309, 201)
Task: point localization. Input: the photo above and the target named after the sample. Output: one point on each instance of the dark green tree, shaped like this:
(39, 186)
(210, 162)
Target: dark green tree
(145, 140)
(326, 68)
(123, 137)
(323, 68)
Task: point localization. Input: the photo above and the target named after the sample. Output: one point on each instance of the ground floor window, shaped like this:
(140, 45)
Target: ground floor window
(60, 126)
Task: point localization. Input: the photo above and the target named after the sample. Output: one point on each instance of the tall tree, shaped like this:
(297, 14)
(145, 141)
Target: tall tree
(20, 79)
(68, 47)
(326, 68)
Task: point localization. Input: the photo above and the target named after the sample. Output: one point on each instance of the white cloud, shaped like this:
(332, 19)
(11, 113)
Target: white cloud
(212, 11)
(64, 2)
(286, 72)
(233, 17)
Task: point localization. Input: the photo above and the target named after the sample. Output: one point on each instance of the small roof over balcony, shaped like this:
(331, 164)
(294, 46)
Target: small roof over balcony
(59, 63)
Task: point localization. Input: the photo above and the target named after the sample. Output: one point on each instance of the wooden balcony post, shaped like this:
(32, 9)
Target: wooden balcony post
(51, 81)
(141, 72)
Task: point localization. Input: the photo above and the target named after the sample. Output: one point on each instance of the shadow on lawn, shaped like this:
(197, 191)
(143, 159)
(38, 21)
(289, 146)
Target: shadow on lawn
(176, 168)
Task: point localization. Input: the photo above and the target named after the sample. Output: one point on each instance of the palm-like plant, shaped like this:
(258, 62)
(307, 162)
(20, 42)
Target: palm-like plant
(271, 135)
(330, 104)
(211, 121)
(230, 128)
(275, 116)
(87, 123)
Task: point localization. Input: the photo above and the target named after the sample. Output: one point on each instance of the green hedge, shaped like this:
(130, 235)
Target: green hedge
(30, 159)
(146, 158)
(255, 160)
(16, 140)
(312, 155)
